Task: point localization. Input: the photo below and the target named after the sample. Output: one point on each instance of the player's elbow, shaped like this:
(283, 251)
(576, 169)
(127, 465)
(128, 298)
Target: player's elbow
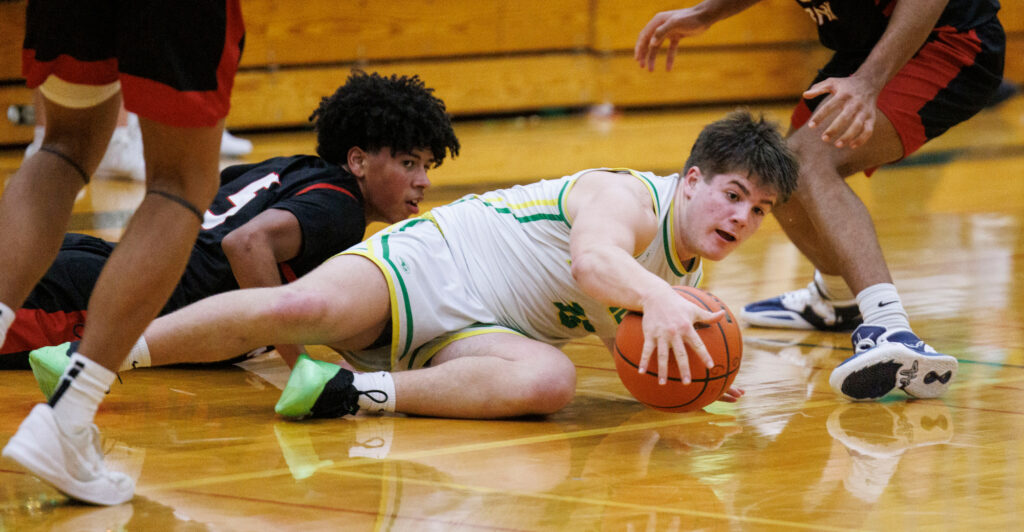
(240, 243)
(586, 267)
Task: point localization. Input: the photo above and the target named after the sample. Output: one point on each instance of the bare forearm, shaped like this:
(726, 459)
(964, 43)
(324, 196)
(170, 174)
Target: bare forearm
(611, 276)
(712, 11)
(253, 265)
(909, 26)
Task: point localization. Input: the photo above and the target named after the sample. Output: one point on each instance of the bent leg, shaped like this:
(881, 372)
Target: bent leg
(488, 376)
(825, 218)
(343, 302)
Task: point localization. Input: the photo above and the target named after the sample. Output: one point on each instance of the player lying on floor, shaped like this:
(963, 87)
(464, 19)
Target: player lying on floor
(276, 220)
(460, 312)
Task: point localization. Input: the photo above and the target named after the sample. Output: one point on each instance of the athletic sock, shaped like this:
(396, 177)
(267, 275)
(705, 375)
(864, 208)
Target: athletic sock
(138, 357)
(6, 319)
(833, 287)
(378, 391)
(881, 305)
(79, 393)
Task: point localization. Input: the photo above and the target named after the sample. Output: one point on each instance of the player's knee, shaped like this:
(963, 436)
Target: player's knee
(550, 387)
(298, 309)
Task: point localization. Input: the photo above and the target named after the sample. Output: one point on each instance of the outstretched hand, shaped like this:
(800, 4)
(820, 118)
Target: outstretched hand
(668, 325)
(672, 25)
(848, 115)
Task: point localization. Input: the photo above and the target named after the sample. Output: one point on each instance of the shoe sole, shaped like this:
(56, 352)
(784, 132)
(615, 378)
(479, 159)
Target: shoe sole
(35, 460)
(878, 371)
(780, 321)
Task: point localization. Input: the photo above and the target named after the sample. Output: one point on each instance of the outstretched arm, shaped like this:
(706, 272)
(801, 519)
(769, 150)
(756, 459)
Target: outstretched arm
(849, 114)
(678, 23)
(613, 218)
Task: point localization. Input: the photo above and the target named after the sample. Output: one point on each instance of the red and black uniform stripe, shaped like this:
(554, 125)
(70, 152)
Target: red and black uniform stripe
(947, 81)
(176, 59)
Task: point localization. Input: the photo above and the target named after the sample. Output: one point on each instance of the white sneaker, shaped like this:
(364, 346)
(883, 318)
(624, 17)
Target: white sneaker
(37, 141)
(124, 153)
(72, 463)
(806, 308)
(232, 146)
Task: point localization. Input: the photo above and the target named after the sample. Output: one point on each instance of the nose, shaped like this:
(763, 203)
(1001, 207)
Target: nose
(742, 215)
(421, 180)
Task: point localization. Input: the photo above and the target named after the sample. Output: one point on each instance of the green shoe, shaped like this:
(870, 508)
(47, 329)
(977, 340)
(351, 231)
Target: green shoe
(307, 383)
(48, 364)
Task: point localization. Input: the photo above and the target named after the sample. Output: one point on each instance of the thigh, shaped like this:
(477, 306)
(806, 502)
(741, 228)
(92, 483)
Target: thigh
(428, 294)
(947, 81)
(499, 342)
(821, 161)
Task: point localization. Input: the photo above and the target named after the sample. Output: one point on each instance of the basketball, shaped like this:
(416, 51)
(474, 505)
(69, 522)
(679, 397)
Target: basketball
(722, 340)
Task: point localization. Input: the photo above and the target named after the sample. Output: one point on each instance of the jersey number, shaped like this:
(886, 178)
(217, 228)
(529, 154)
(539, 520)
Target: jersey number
(239, 199)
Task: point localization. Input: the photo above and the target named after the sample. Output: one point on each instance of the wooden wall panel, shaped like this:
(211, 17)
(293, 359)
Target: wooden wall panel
(327, 32)
(711, 76)
(12, 34)
(498, 55)
(512, 83)
(617, 24)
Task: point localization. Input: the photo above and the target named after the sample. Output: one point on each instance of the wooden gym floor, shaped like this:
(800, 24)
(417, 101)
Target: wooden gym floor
(211, 455)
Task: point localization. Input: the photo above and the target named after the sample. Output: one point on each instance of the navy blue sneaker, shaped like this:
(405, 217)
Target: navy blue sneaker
(806, 309)
(886, 359)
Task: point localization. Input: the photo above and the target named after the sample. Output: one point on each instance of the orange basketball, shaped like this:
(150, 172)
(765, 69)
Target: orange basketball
(723, 342)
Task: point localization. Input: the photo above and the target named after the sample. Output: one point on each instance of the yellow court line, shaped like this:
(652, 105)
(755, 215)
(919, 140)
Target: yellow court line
(457, 449)
(589, 501)
(682, 420)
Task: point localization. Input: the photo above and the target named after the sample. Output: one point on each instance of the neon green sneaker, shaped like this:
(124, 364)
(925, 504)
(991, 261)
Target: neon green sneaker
(318, 389)
(48, 364)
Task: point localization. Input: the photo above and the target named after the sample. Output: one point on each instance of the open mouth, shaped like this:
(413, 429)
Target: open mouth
(725, 236)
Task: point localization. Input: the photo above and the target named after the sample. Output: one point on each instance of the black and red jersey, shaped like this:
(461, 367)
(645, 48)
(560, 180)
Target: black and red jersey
(324, 197)
(857, 25)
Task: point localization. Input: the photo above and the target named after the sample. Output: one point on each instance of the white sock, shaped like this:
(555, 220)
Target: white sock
(833, 287)
(138, 357)
(881, 305)
(6, 319)
(79, 393)
(379, 391)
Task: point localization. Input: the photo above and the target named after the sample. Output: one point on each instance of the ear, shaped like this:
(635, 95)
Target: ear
(690, 180)
(357, 160)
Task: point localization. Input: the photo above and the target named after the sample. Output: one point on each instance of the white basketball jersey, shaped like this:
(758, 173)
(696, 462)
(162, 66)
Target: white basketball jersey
(512, 246)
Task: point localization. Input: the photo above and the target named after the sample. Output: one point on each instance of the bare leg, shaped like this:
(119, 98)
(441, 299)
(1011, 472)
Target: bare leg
(344, 302)
(825, 218)
(149, 260)
(36, 204)
(488, 376)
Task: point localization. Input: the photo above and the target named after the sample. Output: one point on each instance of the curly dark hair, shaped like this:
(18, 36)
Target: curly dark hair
(743, 144)
(373, 112)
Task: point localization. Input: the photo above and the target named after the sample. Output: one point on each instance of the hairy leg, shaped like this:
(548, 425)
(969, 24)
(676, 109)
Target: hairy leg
(825, 219)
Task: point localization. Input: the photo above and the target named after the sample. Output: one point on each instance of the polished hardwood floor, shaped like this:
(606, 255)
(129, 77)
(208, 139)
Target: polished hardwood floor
(209, 453)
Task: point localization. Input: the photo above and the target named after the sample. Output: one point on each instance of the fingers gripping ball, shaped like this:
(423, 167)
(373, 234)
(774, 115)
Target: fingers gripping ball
(722, 340)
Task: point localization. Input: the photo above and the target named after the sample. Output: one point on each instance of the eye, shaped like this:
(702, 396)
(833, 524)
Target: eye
(759, 211)
(409, 163)
(732, 195)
